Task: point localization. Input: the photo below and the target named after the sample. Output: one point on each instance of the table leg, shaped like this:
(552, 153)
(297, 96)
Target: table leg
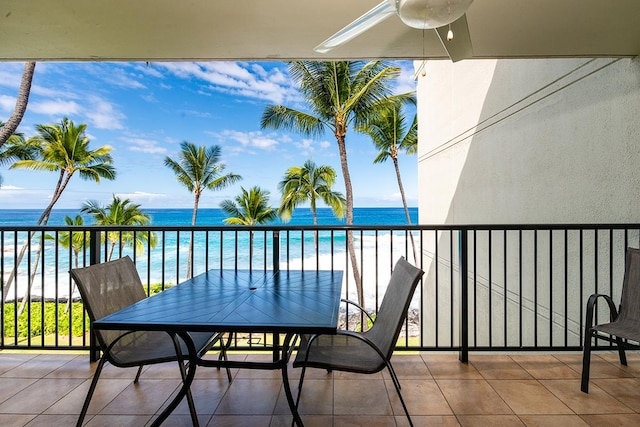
(186, 383)
(285, 380)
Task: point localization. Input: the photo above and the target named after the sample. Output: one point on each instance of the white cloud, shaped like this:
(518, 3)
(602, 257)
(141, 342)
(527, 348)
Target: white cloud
(251, 81)
(7, 103)
(143, 145)
(247, 140)
(406, 82)
(103, 115)
(142, 197)
(55, 107)
(118, 77)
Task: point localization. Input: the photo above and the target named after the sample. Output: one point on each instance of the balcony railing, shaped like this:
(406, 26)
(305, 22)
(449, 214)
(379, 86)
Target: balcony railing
(498, 287)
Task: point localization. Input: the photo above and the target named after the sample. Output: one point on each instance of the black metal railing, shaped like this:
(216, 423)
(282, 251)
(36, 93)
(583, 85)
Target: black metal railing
(488, 287)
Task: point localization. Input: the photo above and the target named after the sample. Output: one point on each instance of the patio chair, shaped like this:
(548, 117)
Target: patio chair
(108, 287)
(370, 351)
(624, 324)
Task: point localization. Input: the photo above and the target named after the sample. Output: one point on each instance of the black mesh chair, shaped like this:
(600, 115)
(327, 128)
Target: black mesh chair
(108, 287)
(624, 323)
(370, 351)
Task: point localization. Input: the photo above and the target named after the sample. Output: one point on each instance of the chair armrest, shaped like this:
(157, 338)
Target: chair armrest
(358, 306)
(351, 334)
(591, 303)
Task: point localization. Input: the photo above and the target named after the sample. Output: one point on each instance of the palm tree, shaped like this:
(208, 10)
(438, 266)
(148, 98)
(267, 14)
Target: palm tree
(76, 241)
(249, 208)
(338, 94)
(307, 183)
(62, 148)
(199, 169)
(16, 148)
(390, 134)
(121, 212)
(8, 129)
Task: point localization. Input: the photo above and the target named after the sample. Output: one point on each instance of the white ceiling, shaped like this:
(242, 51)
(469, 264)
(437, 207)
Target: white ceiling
(157, 30)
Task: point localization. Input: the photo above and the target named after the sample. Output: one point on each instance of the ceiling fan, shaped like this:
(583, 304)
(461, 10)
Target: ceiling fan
(446, 17)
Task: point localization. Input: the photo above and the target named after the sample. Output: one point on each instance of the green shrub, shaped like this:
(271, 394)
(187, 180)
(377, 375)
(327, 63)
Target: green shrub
(48, 327)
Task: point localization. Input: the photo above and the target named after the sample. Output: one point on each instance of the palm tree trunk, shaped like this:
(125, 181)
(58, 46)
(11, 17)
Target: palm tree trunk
(406, 208)
(315, 222)
(43, 220)
(193, 222)
(349, 217)
(21, 103)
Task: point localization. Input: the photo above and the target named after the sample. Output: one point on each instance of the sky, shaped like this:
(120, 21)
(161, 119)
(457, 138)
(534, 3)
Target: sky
(144, 111)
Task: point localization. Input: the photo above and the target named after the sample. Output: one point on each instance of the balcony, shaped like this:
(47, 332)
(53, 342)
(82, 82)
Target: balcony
(507, 298)
(515, 389)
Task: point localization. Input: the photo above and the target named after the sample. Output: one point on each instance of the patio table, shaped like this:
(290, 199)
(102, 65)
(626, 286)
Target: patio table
(288, 302)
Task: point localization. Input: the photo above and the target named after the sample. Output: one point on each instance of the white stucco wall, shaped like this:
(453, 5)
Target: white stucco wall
(527, 142)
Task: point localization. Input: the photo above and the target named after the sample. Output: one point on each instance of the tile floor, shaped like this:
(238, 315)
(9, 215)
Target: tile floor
(47, 389)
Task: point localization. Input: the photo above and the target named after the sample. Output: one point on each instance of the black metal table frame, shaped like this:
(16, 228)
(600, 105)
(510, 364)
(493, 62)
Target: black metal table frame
(177, 330)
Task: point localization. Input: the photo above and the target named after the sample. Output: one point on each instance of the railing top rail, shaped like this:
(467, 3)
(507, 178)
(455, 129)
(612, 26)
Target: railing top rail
(417, 227)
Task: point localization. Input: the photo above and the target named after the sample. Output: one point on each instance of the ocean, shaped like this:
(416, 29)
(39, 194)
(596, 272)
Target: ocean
(214, 216)
(166, 262)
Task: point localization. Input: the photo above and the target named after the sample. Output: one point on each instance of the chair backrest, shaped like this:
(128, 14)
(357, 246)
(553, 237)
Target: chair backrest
(630, 298)
(106, 288)
(395, 303)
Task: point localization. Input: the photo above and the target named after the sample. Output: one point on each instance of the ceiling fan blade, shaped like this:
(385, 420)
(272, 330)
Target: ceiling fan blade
(357, 27)
(460, 47)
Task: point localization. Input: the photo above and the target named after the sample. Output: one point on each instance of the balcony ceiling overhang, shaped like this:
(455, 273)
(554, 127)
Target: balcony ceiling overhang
(158, 30)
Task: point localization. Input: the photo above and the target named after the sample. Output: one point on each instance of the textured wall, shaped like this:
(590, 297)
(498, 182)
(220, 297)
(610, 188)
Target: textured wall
(528, 142)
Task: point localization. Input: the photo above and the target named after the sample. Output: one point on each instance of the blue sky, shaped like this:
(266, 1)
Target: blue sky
(145, 111)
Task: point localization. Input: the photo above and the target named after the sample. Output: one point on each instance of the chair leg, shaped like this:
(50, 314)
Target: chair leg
(192, 406)
(92, 388)
(135, 380)
(223, 356)
(586, 361)
(623, 356)
(396, 384)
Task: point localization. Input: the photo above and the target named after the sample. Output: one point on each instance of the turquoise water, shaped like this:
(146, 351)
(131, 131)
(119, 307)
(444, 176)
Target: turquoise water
(302, 216)
(166, 262)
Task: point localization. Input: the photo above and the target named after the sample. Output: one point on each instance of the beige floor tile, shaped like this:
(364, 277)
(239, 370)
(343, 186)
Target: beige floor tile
(143, 398)
(16, 420)
(449, 367)
(10, 386)
(207, 395)
(498, 366)
(38, 396)
(240, 420)
(78, 367)
(54, 420)
(316, 398)
(363, 421)
(39, 366)
(8, 360)
(250, 397)
(361, 397)
(428, 421)
(408, 366)
(595, 402)
(309, 420)
(106, 390)
(118, 420)
(626, 390)
(545, 366)
(472, 397)
(423, 397)
(553, 421)
(490, 420)
(612, 420)
(600, 368)
(528, 397)
(183, 420)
